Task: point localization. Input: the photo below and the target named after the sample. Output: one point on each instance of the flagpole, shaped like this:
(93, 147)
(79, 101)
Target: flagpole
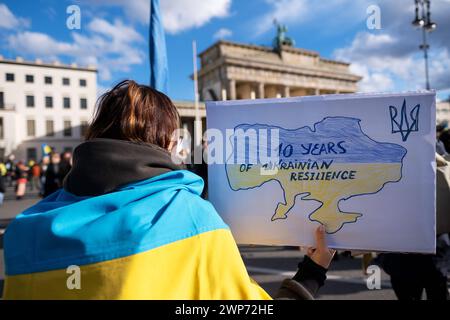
(197, 122)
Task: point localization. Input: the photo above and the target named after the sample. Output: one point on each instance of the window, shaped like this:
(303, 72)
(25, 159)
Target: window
(48, 80)
(49, 102)
(10, 77)
(67, 128)
(83, 103)
(66, 103)
(66, 82)
(31, 154)
(29, 78)
(83, 83)
(2, 130)
(31, 128)
(2, 101)
(49, 128)
(84, 125)
(30, 101)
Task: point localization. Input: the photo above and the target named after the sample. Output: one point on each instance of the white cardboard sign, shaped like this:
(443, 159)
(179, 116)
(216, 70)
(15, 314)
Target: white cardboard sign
(363, 165)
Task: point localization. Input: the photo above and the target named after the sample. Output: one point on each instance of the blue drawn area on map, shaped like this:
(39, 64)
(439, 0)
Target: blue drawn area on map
(334, 138)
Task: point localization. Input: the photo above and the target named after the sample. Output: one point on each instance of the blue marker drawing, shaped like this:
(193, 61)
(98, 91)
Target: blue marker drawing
(403, 126)
(330, 162)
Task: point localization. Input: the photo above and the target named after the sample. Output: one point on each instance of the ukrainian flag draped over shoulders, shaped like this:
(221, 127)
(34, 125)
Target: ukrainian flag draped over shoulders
(152, 239)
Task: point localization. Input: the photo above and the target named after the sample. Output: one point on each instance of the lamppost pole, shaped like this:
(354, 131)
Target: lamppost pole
(424, 46)
(423, 20)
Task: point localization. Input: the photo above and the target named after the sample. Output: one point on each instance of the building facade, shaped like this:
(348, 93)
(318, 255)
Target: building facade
(43, 104)
(232, 71)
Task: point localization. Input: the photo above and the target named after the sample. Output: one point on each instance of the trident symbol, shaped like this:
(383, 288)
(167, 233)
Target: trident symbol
(404, 127)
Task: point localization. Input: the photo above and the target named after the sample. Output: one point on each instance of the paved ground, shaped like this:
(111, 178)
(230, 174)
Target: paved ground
(267, 265)
(11, 207)
(270, 265)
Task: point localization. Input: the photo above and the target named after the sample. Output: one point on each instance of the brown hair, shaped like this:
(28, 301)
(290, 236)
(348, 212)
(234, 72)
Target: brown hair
(134, 112)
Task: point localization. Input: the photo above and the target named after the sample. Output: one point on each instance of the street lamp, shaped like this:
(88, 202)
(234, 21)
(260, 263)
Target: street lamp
(423, 20)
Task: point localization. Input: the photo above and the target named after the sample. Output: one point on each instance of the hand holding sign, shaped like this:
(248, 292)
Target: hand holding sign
(321, 254)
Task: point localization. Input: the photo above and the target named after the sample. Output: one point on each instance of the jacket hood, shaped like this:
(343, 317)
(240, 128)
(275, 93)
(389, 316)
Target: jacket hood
(103, 165)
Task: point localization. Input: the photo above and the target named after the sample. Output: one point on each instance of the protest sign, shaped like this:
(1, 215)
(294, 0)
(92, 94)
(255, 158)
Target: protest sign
(363, 165)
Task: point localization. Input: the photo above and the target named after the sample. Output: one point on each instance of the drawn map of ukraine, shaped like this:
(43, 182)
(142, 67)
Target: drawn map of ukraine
(330, 162)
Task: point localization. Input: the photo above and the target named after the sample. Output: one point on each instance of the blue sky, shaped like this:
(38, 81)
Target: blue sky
(114, 36)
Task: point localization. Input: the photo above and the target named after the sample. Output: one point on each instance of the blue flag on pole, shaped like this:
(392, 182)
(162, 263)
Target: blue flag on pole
(159, 70)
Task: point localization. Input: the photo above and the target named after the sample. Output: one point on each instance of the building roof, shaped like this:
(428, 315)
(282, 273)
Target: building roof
(40, 63)
(271, 59)
(271, 49)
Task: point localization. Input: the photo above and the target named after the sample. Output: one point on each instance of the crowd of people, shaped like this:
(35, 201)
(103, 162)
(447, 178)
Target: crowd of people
(44, 176)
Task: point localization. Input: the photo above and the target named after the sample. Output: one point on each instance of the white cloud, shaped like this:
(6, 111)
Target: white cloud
(38, 44)
(9, 21)
(222, 33)
(284, 11)
(110, 46)
(330, 16)
(440, 66)
(389, 59)
(386, 66)
(177, 15)
(373, 81)
(117, 31)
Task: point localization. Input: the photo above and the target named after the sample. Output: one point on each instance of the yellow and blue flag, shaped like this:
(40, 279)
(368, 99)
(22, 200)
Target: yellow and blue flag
(153, 239)
(46, 149)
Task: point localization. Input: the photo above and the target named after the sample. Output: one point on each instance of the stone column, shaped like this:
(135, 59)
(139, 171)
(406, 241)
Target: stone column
(317, 92)
(287, 92)
(232, 84)
(244, 91)
(224, 94)
(261, 93)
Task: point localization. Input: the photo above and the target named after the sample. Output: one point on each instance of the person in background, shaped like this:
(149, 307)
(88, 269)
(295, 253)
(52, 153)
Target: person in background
(2, 188)
(133, 220)
(35, 176)
(53, 175)
(44, 166)
(411, 274)
(11, 169)
(202, 170)
(444, 137)
(21, 175)
(3, 170)
(30, 165)
(440, 146)
(66, 163)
